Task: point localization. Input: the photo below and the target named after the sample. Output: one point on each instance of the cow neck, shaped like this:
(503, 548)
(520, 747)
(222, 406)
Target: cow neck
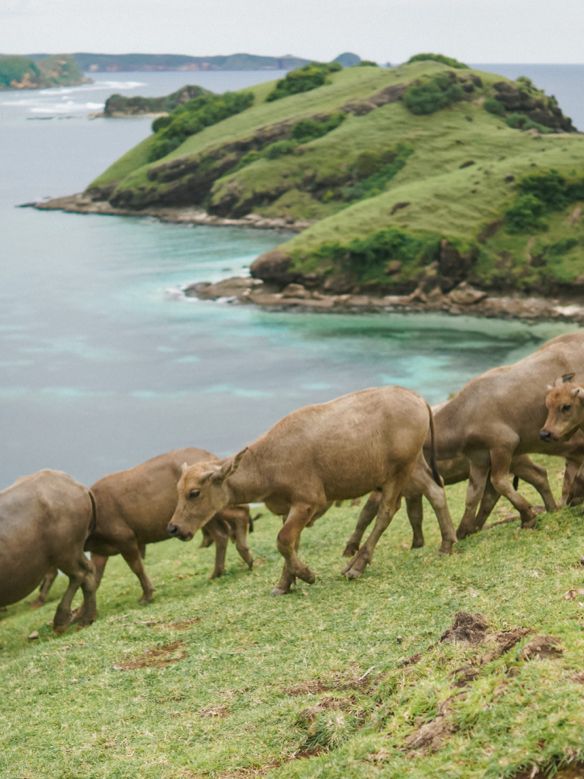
(246, 485)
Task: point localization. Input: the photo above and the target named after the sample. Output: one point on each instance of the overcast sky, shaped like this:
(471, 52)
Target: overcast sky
(382, 30)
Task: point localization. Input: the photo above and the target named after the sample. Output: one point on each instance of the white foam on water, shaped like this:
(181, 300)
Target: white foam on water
(96, 86)
(66, 107)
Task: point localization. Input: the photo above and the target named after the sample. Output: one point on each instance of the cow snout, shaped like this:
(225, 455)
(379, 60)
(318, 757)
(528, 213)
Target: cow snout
(175, 531)
(172, 529)
(545, 435)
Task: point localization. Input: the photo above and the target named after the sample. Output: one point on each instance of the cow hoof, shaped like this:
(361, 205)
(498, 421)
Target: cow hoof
(446, 547)
(145, 599)
(353, 573)
(350, 550)
(37, 603)
(416, 544)
(528, 524)
(216, 575)
(250, 565)
(279, 591)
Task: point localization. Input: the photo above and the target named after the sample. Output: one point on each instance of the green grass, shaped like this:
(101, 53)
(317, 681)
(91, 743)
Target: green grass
(312, 684)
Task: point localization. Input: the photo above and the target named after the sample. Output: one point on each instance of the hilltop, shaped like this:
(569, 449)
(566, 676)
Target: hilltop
(25, 72)
(425, 175)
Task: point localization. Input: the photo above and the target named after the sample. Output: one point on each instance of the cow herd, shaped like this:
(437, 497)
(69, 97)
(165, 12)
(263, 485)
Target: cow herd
(385, 442)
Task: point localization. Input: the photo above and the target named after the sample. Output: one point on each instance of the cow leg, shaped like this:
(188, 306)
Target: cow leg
(477, 479)
(389, 505)
(437, 497)
(415, 512)
(99, 563)
(220, 540)
(81, 574)
(576, 491)
(571, 473)
(131, 555)
(288, 542)
(366, 517)
(501, 480)
(241, 543)
(44, 589)
(537, 476)
(488, 502)
(142, 548)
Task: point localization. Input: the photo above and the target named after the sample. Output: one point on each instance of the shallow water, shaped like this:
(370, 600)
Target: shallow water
(104, 363)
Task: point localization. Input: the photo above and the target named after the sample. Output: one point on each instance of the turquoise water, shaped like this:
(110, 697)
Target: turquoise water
(104, 363)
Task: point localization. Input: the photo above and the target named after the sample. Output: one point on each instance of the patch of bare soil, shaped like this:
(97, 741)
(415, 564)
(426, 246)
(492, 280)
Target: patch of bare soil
(535, 772)
(429, 737)
(333, 683)
(468, 627)
(542, 648)
(156, 657)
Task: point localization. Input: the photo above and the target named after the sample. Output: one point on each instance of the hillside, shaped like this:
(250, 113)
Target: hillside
(341, 679)
(18, 72)
(427, 169)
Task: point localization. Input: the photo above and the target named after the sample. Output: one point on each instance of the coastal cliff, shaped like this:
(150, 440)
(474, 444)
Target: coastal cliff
(39, 73)
(409, 179)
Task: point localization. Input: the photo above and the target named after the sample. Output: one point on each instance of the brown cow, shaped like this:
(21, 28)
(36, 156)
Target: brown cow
(452, 472)
(499, 415)
(565, 406)
(134, 507)
(318, 454)
(44, 522)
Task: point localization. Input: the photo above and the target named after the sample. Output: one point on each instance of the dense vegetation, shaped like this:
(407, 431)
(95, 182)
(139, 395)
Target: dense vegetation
(450, 61)
(192, 117)
(303, 80)
(434, 152)
(25, 73)
(130, 62)
(341, 679)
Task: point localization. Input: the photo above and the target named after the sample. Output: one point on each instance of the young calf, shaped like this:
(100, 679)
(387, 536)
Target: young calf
(44, 522)
(314, 456)
(133, 509)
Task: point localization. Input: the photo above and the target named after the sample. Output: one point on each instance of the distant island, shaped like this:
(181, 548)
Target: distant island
(430, 180)
(120, 63)
(25, 72)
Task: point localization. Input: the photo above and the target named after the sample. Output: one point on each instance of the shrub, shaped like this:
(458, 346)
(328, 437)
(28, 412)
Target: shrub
(192, 117)
(450, 61)
(430, 95)
(279, 149)
(309, 129)
(494, 106)
(303, 79)
(550, 188)
(522, 122)
(525, 214)
(372, 171)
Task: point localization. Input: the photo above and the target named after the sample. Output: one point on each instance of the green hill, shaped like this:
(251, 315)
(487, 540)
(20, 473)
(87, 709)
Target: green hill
(430, 168)
(341, 680)
(18, 72)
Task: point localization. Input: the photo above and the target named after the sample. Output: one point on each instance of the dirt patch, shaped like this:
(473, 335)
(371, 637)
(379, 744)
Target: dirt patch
(156, 657)
(542, 648)
(468, 627)
(336, 682)
(182, 624)
(535, 772)
(218, 712)
(429, 737)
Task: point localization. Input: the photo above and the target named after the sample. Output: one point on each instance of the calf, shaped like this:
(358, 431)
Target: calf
(45, 520)
(314, 456)
(134, 507)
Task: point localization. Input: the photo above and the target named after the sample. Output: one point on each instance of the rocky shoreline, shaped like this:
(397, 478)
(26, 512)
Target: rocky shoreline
(464, 299)
(84, 204)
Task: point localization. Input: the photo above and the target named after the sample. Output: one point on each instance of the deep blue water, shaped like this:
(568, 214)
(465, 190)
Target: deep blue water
(103, 363)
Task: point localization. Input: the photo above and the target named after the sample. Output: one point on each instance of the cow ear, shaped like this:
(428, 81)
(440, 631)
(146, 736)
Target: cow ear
(228, 467)
(578, 392)
(567, 377)
(183, 468)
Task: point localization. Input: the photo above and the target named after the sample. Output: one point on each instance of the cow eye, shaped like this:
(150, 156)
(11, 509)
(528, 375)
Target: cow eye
(194, 493)
(565, 408)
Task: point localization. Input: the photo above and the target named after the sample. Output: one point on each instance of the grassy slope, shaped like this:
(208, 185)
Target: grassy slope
(262, 680)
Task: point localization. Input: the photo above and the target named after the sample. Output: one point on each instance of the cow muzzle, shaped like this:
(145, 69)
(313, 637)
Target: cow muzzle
(175, 531)
(545, 435)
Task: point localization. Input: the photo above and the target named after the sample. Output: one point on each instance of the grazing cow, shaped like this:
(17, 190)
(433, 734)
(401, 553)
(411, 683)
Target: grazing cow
(134, 507)
(314, 456)
(498, 415)
(44, 522)
(565, 406)
(452, 472)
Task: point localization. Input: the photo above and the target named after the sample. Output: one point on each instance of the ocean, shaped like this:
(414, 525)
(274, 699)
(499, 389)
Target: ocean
(103, 363)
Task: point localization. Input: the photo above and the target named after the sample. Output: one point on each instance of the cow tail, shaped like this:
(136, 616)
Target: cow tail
(93, 523)
(433, 465)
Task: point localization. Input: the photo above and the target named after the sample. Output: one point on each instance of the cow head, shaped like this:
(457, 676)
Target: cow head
(565, 405)
(202, 492)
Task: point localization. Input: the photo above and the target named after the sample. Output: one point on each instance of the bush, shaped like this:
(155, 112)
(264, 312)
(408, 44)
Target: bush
(525, 214)
(309, 129)
(192, 117)
(494, 106)
(372, 171)
(450, 61)
(303, 79)
(429, 96)
(522, 122)
(550, 188)
(279, 149)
